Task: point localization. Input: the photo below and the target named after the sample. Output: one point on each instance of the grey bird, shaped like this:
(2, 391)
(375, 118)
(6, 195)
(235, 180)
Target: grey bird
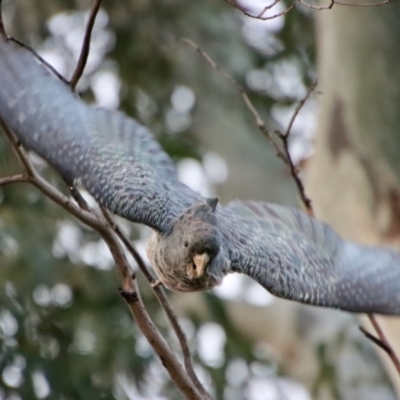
(195, 240)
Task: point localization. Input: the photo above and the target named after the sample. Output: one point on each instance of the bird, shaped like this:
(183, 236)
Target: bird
(196, 241)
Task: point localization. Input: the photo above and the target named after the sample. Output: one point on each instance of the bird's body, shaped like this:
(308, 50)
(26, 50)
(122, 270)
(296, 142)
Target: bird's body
(195, 241)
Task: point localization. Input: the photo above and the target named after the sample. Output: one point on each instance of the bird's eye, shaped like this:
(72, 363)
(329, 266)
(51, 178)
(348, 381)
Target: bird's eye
(186, 244)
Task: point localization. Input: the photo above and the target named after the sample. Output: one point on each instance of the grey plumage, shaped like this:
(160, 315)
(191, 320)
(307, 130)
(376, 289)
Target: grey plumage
(195, 241)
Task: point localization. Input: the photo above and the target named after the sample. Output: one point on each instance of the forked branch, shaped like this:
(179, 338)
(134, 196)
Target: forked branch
(284, 137)
(261, 15)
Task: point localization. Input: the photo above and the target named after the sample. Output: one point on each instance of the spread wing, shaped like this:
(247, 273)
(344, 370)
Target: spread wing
(299, 258)
(112, 156)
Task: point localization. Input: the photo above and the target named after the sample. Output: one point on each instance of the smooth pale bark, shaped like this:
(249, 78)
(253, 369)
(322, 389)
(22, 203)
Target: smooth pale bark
(354, 176)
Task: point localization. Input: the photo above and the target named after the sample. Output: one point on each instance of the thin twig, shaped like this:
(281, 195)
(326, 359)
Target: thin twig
(266, 8)
(381, 3)
(284, 155)
(319, 8)
(285, 141)
(260, 15)
(298, 109)
(340, 3)
(374, 339)
(13, 179)
(386, 345)
(50, 191)
(85, 45)
(260, 123)
(41, 59)
(142, 266)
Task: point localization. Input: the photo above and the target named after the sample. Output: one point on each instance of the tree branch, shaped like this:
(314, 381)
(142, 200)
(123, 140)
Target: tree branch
(162, 299)
(285, 142)
(85, 45)
(41, 59)
(158, 291)
(13, 179)
(340, 3)
(188, 382)
(374, 339)
(129, 288)
(284, 155)
(382, 342)
(261, 16)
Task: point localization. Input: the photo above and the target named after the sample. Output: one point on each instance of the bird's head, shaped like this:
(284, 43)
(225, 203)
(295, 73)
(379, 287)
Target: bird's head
(190, 257)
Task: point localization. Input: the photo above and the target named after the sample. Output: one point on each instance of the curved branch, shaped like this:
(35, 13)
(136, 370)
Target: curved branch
(284, 155)
(260, 15)
(13, 179)
(40, 58)
(85, 46)
(163, 300)
(129, 288)
(340, 3)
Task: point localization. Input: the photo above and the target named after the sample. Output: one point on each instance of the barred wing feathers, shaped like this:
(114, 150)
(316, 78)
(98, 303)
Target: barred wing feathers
(300, 258)
(112, 156)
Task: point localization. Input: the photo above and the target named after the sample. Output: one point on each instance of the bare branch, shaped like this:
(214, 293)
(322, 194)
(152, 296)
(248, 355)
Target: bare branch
(130, 294)
(41, 59)
(328, 7)
(260, 123)
(383, 342)
(260, 15)
(285, 141)
(162, 299)
(374, 339)
(29, 48)
(381, 3)
(298, 109)
(129, 289)
(85, 46)
(50, 191)
(13, 179)
(266, 8)
(159, 344)
(284, 155)
(340, 3)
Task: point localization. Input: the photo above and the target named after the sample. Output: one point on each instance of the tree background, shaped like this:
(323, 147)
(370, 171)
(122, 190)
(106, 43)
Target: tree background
(65, 333)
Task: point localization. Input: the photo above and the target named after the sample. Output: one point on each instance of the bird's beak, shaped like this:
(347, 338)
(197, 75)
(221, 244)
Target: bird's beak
(200, 261)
